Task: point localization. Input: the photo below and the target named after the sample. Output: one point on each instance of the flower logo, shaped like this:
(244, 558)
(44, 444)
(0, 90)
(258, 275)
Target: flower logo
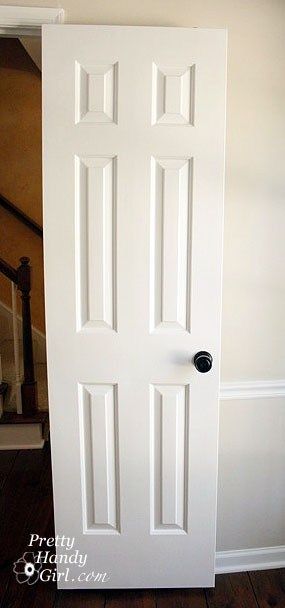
(27, 568)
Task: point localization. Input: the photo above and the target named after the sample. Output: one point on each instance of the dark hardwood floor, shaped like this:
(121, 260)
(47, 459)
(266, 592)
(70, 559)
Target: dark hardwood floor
(26, 506)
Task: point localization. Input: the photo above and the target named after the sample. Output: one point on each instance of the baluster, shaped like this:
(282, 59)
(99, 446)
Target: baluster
(16, 350)
(29, 385)
(1, 396)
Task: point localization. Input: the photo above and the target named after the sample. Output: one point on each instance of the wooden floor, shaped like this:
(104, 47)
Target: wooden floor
(26, 506)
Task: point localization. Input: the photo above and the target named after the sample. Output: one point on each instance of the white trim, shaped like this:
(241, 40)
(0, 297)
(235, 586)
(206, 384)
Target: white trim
(27, 20)
(243, 560)
(255, 389)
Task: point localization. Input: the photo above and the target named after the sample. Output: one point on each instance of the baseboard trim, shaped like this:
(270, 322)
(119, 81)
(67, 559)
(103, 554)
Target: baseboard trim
(243, 560)
(256, 389)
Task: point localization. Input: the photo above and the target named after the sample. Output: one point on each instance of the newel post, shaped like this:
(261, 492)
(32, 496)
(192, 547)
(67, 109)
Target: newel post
(29, 385)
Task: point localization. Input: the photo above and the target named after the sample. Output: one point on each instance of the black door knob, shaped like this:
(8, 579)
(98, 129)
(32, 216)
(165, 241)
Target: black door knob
(203, 361)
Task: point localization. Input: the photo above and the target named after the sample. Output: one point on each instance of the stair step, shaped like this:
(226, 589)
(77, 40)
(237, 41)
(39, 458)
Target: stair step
(18, 432)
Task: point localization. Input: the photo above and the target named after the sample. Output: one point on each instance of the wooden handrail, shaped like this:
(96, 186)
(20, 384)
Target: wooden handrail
(20, 215)
(22, 278)
(8, 270)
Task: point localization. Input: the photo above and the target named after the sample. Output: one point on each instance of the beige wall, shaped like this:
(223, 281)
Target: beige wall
(20, 129)
(20, 167)
(252, 469)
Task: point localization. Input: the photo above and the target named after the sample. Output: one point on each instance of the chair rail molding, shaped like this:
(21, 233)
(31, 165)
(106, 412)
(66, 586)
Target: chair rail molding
(27, 20)
(252, 389)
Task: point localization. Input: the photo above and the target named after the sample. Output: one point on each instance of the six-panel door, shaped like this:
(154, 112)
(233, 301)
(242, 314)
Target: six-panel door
(133, 203)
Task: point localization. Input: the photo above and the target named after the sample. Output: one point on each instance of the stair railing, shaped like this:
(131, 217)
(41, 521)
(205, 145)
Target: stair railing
(21, 216)
(26, 390)
(16, 349)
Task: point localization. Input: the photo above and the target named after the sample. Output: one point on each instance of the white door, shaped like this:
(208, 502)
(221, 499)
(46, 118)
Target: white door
(133, 212)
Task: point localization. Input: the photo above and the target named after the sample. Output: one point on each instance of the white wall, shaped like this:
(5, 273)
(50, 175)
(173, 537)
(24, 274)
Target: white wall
(252, 453)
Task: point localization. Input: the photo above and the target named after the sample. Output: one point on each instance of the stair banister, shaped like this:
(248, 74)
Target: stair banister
(16, 349)
(21, 277)
(29, 385)
(8, 271)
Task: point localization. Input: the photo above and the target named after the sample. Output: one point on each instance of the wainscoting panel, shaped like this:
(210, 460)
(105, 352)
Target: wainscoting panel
(251, 482)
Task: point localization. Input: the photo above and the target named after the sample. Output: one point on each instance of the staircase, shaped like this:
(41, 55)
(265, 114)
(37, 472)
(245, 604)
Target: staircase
(23, 379)
(8, 360)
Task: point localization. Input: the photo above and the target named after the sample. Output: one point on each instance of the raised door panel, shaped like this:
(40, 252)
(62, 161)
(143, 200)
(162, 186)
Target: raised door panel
(173, 95)
(170, 272)
(96, 242)
(96, 93)
(99, 458)
(169, 459)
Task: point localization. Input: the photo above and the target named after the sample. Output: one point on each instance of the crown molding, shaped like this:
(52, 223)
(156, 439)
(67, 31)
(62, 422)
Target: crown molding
(27, 20)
